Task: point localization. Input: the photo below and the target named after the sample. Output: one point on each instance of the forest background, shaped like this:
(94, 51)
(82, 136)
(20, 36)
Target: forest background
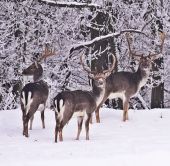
(71, 27)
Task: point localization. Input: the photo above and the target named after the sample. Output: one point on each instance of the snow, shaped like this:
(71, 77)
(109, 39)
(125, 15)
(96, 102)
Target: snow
(143, 140)
(71, 3)
(104, 37)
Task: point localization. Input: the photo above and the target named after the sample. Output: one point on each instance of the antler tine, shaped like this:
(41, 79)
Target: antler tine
(47, 52)
(162, 37)
(128, 41)
(131, 53)
(112, 67)
(84, 67)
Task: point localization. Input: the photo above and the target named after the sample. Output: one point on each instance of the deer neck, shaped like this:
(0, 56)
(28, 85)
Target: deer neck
(37, 78)
(142, 77)
(98, 94)
(38, 73)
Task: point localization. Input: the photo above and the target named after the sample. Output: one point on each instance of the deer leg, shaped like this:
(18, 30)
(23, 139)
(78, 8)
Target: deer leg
(61, 135)
(42, 118)
(30, 113)
(31, 121)
(61, 131)
(56, 133)
(25, 133)
(24, 119)
(23, 116)
(87, 125)
(79, 122)
(57, 126)
(97, 115)
(91, 119)
(125, 110)
(58, 130)
(25, 123)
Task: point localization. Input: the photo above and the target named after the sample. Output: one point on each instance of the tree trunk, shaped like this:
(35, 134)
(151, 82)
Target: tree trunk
(102, 20)
(157, 96)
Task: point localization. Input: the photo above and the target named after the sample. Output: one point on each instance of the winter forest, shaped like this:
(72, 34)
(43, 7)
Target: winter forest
(71, 27)
(85, 45)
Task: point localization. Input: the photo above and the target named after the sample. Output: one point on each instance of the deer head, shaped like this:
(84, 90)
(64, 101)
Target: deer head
(35, 69)
(145, 61)
(99, 78)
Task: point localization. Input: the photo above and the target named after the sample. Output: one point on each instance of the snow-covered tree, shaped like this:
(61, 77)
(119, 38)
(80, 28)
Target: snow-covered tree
(69, 27)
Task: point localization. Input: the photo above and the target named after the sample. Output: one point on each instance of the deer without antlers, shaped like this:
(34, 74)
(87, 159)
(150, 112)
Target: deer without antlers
(68, 102)
(124, 84)
(34, 95)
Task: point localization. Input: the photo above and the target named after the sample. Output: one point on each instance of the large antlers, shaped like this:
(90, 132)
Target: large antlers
(94, 74)
(131, 53)
(151, 56)
(112, 66)
(46, 53)
(84, 66)
(156, 55)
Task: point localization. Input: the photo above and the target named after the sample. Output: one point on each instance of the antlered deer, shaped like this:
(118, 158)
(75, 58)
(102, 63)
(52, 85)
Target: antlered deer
(34, 95)
(83, 102)
(125, 85)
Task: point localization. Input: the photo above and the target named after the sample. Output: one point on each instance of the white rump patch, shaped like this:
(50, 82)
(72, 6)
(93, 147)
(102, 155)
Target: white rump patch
(23, 98)
(56, 110)
(29, 101)
(61, 103)
(62, 109)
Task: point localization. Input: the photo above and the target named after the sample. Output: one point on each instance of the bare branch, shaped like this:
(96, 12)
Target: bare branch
(167, 91)
(144, 104)
(147, 24)
(103, 38)
(70, 4)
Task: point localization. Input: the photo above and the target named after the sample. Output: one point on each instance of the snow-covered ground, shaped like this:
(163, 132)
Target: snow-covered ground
(142, 141)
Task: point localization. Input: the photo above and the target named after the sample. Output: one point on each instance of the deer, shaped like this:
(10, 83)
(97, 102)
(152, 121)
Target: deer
(124, 84)
(80, 102)
(34, 95)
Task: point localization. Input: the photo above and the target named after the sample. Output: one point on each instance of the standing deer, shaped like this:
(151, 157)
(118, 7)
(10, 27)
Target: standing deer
(34, 95)
(125, 85)
(68, 102)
